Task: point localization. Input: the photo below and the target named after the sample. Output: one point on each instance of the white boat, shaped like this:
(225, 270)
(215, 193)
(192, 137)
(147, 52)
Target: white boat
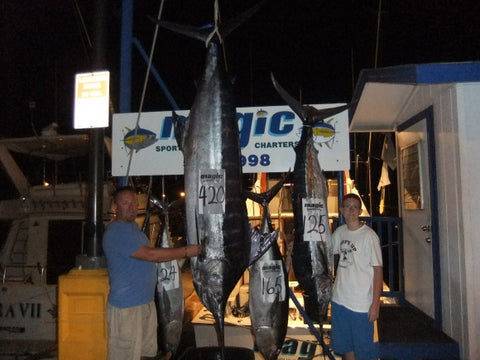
(41, 233)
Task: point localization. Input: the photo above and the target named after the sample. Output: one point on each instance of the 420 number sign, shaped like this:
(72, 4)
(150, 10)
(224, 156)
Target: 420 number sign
(211, 191)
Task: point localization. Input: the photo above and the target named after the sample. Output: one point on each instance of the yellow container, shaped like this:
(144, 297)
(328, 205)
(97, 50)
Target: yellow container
(82, 327)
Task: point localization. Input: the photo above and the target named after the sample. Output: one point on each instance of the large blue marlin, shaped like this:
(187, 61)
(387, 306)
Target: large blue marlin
(268, 300)
(312, 254)
(216, 214)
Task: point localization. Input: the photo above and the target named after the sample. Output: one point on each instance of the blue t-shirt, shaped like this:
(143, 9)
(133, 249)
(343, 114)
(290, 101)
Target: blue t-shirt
(132, 281)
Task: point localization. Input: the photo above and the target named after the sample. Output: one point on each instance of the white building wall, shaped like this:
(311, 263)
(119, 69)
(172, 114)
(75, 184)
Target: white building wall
(468, 98)
(450, 216)
(457, 128)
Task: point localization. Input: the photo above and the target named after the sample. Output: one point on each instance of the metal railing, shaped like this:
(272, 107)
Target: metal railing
(22, 273)
(389, 230)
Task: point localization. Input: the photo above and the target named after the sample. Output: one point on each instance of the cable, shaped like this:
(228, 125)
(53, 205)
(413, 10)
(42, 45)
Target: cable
(160, 10)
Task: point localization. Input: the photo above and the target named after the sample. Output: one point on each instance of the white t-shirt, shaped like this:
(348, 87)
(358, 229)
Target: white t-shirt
(359, 252)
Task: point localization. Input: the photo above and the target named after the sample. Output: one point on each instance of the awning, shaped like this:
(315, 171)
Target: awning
(381, 94)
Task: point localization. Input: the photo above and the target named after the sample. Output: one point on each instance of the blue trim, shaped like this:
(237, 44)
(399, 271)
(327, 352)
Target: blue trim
(127, 40)
(125, 91)
(448, 73)
(156, 75)
(415, 351)
(126, 57)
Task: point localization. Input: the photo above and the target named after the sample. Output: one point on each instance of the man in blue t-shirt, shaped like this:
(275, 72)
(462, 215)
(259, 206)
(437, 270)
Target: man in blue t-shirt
(131, 313)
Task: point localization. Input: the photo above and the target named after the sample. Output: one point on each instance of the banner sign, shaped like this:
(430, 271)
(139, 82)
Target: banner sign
(268, 136)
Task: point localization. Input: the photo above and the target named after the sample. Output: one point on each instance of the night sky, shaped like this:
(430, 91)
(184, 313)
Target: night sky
(316, 50)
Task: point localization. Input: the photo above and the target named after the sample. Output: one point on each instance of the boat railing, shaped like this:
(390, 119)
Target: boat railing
(389, 230)
(24, 274)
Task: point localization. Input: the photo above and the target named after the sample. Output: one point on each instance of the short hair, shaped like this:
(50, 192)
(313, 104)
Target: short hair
(120, 190)
(352, 196)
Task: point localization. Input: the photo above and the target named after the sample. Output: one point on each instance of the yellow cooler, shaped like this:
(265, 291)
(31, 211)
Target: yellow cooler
(82, 328)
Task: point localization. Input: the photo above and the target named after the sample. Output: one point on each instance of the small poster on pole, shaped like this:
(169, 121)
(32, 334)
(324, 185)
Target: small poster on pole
(91, 100)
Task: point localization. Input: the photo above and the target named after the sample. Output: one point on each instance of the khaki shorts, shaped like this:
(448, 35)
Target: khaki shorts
(132, 332)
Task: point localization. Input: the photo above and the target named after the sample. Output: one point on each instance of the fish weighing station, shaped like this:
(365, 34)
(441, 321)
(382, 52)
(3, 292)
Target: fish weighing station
(430, 111)
(299, 341)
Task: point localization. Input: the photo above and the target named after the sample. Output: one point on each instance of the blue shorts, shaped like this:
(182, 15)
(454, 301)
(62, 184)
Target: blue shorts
(352, 331)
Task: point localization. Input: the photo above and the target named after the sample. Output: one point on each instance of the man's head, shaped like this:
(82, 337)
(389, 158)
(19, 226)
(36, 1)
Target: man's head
(125, 204)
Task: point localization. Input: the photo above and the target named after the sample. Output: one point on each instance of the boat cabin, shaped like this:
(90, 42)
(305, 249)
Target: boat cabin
(433, 111)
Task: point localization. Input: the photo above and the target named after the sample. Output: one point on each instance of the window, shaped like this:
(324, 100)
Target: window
(412, 189)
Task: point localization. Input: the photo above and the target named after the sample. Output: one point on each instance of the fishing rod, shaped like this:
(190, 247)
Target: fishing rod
(318, 336)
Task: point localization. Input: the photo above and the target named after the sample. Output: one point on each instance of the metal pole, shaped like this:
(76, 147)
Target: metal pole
(369, 167)
(126, 65)
(340, 193)
(93, 259)
(126, 57)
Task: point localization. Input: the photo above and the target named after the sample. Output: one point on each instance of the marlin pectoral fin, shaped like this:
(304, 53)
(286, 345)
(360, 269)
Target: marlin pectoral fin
(265, 197)
(177, 204)
(318, 115)
(156, 202)
(260, 243)
(205, 33)
(228, 27)
(308, 114)
(199, 33)
(179, 129)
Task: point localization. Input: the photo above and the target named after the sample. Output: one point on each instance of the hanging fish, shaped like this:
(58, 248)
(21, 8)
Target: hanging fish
(312, 249)
(268, 287)
(169, 294)
(216, 214)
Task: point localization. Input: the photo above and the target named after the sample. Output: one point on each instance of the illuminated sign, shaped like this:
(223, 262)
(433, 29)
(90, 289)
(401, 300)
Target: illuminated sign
(267, 137)
(91, 100)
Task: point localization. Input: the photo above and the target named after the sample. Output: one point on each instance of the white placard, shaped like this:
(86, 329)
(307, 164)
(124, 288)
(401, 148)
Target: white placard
(168, 275)
(211, 191)
(315, 220)
(91, 100)
(273, 281)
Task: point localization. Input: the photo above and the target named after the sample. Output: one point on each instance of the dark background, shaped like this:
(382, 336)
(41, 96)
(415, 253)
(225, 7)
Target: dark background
(316, 50)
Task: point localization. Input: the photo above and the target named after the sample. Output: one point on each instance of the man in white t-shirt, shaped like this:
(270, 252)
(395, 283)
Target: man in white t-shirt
(358, 284)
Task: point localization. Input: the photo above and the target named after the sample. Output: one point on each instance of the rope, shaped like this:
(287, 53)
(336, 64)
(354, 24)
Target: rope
(160, 10)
